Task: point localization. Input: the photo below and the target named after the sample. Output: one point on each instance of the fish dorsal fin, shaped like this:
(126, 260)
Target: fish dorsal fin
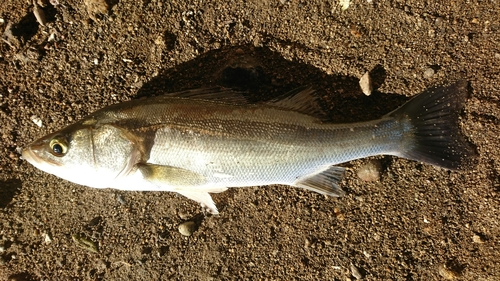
(303, 100)
(217, 94)
(323, 181)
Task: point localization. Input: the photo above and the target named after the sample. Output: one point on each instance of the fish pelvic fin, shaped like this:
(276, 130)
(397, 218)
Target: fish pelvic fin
(182, 181)
(203, 198)
(434, 134)
(323, 181)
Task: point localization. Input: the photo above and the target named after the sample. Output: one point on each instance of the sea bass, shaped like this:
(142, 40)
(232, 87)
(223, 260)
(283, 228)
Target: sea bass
(204, 141)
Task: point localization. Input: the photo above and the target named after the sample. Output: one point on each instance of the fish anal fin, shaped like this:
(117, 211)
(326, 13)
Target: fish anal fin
(303, 100)
(203, 198)
(323, 181)
(172, 177)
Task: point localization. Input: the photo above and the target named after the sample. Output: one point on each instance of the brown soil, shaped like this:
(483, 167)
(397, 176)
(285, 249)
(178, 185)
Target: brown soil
(416, 223)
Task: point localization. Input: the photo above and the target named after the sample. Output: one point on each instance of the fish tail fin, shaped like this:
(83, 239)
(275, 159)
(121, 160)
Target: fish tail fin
(434, 135)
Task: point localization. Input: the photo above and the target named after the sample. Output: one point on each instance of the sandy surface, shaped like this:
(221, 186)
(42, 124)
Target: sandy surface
(416, 223)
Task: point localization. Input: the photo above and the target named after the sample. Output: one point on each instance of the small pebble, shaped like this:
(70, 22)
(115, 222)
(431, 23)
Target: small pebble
(338, 214)
(355, 32)
(183, 215)
(187, 228)
(41, 3)
(477, 239)
(52, 37)
(2, 248)
(307, 243)
(39, 14)
(429, 72)
(497, 55)
(356, 273)
(439, 21)
(33, 54)
(37, 120)
(47, 238)
(9, 38)
(447, 273)
(366, 84)
(96, 7)
(344, 4)
(370, 171)
(120, 199)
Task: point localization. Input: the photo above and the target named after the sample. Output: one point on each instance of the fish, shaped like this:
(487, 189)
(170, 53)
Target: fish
(204, 141)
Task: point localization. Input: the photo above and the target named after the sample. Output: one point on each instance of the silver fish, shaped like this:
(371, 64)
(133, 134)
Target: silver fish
(204, 141)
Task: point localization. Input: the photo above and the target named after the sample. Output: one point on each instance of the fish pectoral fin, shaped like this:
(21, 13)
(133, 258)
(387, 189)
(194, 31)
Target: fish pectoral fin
(203, 198)
(173, 177)
(323, 181)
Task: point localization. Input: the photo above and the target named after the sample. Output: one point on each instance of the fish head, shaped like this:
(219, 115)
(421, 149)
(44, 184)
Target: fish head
(83, 154)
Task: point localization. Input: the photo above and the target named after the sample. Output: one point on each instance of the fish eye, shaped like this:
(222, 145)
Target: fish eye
(59, 146)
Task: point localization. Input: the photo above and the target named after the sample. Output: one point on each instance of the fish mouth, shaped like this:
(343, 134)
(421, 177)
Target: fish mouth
(29, 155)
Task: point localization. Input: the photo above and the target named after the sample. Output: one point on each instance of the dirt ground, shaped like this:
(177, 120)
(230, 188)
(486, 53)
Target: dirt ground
(417, 222)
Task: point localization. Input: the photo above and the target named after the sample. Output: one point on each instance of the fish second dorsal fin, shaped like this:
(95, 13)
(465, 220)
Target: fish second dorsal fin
(303, 100)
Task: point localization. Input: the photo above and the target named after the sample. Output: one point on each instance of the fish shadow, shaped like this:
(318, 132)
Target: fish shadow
(8, 189)
(262, 74)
